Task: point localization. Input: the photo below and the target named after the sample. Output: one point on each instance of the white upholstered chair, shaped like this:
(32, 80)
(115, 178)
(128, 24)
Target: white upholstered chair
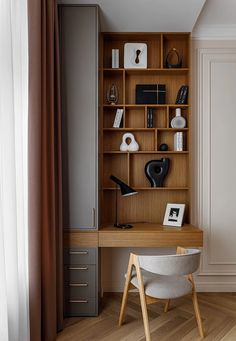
(162, 278)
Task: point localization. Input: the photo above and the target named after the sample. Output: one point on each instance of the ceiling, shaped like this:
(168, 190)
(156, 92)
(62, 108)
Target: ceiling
(146, 16)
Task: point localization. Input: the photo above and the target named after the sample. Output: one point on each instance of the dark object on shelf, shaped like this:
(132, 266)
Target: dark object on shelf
(150, 117)
(112, 95)
(125, 192)
(156, 170)
(182, 96)
(150, 93)
(170, 56)
(163, 147)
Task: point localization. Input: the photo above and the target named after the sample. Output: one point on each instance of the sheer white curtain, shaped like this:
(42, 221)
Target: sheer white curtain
(14, 324)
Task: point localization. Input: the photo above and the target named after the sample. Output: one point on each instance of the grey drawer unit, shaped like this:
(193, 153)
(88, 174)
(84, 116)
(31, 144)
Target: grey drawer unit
(80, 256)
(80, 281)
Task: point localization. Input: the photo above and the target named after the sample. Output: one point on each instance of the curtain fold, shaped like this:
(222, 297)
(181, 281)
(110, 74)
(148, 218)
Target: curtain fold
(45, 190)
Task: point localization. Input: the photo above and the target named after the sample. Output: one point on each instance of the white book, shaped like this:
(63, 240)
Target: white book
(115, 58)
(178, 142)
(118, 118)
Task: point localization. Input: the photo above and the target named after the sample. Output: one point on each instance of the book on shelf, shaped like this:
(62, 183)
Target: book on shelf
(118, 118)
(150, 118)
(178, 142)
(182, 96)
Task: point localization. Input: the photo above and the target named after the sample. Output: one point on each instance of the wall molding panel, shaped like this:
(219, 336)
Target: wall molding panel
(214, 187)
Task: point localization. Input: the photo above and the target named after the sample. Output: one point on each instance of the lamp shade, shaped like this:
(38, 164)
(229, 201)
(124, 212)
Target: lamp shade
(124, 188)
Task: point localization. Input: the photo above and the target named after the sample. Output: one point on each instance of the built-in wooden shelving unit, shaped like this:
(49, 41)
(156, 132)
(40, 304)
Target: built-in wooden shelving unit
(150, 203)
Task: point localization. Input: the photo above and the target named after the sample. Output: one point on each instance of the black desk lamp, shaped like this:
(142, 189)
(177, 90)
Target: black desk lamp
(125, 192)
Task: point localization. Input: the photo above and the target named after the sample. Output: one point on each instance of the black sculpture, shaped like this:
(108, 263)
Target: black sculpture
(156, 170)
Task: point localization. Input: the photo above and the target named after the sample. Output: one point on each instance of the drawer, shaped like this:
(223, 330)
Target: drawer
(80, 273)
(81, 307)
(80, 256)
(80, 289)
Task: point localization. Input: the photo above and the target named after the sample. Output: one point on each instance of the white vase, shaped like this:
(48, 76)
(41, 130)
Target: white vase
(178, 121)
(129, 147)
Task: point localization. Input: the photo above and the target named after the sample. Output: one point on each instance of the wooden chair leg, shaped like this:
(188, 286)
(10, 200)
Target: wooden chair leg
(197, 313)
(126, 290)
(166, 308)
(196, 307)
(143, 302)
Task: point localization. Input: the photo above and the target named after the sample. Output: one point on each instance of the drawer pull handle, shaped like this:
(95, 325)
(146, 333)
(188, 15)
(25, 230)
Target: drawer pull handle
(78, 284)
(78, 252)
(78, 268)
(78, 301)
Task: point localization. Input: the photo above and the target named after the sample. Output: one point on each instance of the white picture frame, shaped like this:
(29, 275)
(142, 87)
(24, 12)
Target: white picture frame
(135, 56)
(174, 215)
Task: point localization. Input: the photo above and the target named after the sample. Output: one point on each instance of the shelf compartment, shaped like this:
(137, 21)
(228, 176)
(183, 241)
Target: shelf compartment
(181, 43)
(146, 206)
(117, 165)
(109, 114)
(118, 40)
(112, 138)
(167, 136)
(184, 113)
(113, 78)
(159, 117)
(177, 175)
(135, 117)
(173, 85)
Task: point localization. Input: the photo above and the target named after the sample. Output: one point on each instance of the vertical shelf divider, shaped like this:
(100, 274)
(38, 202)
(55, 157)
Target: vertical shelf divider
(145, 116)
(167, 116)
(161, 52)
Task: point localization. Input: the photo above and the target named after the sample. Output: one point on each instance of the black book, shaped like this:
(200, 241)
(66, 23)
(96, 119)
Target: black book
(184, 97)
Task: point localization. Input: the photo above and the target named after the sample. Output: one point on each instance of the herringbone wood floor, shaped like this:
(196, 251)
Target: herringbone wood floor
(218, 311)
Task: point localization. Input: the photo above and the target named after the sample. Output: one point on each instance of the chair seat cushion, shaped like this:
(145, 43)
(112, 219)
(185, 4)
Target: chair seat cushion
(164, 287)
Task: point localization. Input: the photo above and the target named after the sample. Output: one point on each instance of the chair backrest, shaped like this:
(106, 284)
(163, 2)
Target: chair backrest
(170, 265)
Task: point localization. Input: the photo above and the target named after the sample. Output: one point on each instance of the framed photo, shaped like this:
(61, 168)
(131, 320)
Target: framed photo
(174, 214)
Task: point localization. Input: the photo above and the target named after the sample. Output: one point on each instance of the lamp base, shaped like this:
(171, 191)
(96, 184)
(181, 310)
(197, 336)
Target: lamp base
(123, 226)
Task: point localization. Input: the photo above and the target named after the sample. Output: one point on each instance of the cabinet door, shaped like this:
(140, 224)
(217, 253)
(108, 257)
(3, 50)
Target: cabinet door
(79, 68)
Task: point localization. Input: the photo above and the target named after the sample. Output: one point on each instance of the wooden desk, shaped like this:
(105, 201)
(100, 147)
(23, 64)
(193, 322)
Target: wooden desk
(150, 235)
(141, 235)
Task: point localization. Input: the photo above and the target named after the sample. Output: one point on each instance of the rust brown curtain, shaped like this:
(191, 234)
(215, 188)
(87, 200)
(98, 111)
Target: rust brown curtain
(45, 191)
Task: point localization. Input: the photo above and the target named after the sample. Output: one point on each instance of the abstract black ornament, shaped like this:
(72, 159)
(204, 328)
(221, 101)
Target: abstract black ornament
(156, 171)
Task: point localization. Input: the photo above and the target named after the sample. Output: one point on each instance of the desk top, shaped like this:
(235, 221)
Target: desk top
(150, 235)
(141, 235)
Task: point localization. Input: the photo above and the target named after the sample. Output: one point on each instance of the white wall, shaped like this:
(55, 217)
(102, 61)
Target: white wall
(215, 161)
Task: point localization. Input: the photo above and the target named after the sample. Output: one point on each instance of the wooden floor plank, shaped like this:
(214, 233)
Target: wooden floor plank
(218, 311)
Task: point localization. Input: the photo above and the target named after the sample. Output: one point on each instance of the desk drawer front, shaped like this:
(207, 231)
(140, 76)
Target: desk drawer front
(80, 256)
(80, 290)
(81, 307)
(79, 274)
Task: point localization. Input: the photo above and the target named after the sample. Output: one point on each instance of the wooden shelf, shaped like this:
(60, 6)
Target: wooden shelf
(146, 70)
(152, 188)
(145, 152)
(146, 105)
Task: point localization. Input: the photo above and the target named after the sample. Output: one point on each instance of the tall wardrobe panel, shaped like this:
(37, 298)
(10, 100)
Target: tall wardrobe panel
(79, 60)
